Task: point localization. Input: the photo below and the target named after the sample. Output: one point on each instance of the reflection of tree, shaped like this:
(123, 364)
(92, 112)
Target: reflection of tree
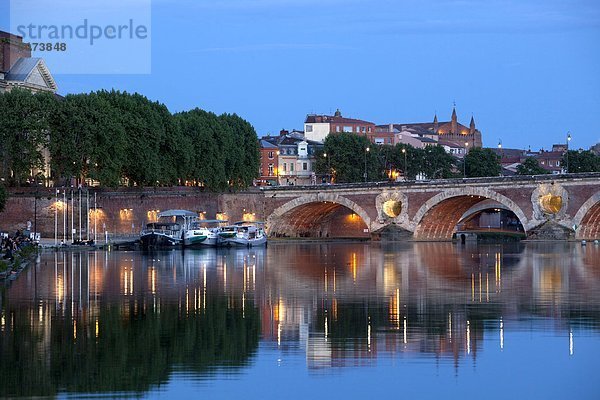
(132, 352)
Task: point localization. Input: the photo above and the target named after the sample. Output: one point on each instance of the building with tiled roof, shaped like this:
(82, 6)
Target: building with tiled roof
(317, 127)
(19, 69)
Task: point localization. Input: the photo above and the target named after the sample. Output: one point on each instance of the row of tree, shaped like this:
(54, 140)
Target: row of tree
(347, 158)
(351, 158)
(120, 138)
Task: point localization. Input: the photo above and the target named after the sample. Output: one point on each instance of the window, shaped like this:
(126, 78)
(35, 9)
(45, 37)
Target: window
(284, 167)
(270, 169)
(379, 140)
(270, 155)
(304, 166)
(291, 167)
(337, 128)
(308, 128)
(347, 129)
(558, 163)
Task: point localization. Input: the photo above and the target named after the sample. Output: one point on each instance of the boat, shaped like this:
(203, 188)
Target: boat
(248, 234)
(202, 233)
(168, 230)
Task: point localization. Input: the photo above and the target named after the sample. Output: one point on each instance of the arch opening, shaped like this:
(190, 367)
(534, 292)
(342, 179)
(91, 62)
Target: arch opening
(319, 219)
(590, 224)
(468, 215)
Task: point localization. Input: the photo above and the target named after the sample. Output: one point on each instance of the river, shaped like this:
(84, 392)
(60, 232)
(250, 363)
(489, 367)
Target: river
(307, 320)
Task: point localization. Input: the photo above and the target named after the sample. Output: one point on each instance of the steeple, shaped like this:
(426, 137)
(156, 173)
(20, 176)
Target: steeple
(454, 127)
(436, 125)
(472, 126)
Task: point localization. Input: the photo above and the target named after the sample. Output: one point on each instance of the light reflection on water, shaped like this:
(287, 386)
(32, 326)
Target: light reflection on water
(341, 316)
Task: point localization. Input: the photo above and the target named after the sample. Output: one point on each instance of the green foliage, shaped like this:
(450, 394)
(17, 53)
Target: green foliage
(346, 160)
(482, 163)
(581, 161)
(433, 162)
(24, 127)
(115, 137)
(86, 139)
(3, 197)
(347, 157)
(531, 166)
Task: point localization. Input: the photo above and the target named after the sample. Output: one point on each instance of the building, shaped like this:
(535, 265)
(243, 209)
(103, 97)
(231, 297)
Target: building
(318, 127)
(552, 160)
(269, 160)
(19, 70)
(288, 159)
(452, 135)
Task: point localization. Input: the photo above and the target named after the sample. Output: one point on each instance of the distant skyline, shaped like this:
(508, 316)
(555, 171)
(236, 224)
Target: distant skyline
(528, 71)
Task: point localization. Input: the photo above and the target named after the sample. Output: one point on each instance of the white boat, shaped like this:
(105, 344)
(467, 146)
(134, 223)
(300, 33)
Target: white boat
(168, 230)
(202, 233)
(247, 234)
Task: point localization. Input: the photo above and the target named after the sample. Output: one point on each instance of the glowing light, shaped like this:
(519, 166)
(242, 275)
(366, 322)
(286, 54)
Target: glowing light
(152, 215)
(405, 336)
(468, 337)
(501, 334)
(570, 342)
(249, 217)
(97, 328)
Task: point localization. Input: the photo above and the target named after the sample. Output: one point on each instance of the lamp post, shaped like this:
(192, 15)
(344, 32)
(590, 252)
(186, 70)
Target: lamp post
(405, 164)
(567, 154)
(365, 174)
(328, 175)
(465, 160)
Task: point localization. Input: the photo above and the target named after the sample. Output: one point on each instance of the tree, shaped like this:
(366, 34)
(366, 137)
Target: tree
(434, 162)
(347, 157)
(531, 166)
(24, 127)
(481, 163)
(87, 140)
(581, 161)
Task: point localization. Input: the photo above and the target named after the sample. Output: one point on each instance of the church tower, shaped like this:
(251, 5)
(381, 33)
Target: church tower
(472, 126)
(454, 123)
(436, 125)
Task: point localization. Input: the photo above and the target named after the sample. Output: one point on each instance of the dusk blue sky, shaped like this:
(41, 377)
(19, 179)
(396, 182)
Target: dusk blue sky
(529, 71)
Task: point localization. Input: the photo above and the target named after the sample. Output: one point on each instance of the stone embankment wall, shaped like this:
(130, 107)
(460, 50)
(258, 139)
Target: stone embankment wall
(120, 212)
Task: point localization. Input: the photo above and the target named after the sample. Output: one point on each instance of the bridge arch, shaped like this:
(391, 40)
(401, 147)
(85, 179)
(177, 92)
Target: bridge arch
(319, 215)
(438, 217)
(587, 218)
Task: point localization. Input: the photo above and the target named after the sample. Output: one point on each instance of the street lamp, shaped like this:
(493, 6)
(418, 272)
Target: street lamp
(328, 175)
(365, 174)
(465, 160)
(567, 154)
(404, 152)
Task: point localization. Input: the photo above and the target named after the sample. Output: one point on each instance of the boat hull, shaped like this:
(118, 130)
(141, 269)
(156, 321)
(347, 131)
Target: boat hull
(241, 242)
(206, 242)
(159, 240)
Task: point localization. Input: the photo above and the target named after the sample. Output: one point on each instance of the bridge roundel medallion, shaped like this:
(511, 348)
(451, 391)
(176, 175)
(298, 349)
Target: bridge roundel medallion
(391, 206)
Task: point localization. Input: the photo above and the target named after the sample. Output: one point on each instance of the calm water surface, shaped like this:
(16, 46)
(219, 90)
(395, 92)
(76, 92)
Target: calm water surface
(300, 321)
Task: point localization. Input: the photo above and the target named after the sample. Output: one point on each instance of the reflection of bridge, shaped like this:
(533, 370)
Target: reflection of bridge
(548, 207)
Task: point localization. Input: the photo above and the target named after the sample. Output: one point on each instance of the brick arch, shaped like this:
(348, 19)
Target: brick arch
(307, 213)
(587, 218)
(437, 218)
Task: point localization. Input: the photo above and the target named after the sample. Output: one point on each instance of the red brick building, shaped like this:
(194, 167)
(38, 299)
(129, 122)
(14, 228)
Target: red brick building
(269, 160)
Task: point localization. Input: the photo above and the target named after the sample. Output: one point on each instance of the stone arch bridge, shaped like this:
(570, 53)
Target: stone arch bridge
(547, 207)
